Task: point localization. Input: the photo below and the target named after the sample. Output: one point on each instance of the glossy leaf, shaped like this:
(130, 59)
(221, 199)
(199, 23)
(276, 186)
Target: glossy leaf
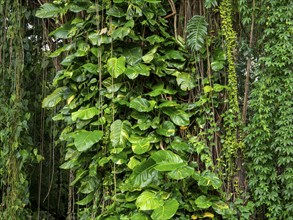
(181, 173)
(184, 80)
(140, 145)
(203, 202)
(119, 134)
(54, 98)
(143, 175)
(83, 140)
(139, 216)
(86, 200)
(142, 104)
(148, 201)
(167, 129)
(133, 55)
(167, 160)
(116, 66)
(179, 117)
(48, 10)
(85, 114)
(149, 56)
(167, 211)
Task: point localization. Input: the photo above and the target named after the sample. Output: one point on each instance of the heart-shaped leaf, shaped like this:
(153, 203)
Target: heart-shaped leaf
(85, 114)
(167, 211)
(83, 140)
(116, 66)
(120, 133)
(148, 201)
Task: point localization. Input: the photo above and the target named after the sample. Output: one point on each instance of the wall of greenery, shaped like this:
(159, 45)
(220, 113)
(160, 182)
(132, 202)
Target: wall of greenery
(177, 109)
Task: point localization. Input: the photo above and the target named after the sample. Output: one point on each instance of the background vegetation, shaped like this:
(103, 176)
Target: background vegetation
(114, 109)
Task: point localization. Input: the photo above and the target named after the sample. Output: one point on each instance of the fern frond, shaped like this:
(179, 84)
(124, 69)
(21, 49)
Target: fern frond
(196, 32)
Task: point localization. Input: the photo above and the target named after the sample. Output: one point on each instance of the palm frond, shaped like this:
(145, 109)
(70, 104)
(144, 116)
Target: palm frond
(196, 32)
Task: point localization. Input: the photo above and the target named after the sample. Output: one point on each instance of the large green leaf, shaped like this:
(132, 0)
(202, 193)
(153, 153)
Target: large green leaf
(149, 56)
(143, 175)
(119, 134)
(148, 201)
(167, 160)
(133, 55)
(120, 33)
(142, 104)
(48, 10)
(181, 172)
(65, 31)
(203, 202)
(167, 211)
(166, 129)
(85, 114)
(140, 145)
(54, 98)
(86, 199)
(139, 69)
(207, 178)
(116, 66)
(184, 80)
(179, 117)
(83, 140)
(139, 216)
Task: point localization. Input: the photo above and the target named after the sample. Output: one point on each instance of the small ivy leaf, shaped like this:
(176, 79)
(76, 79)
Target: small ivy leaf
(142, 105)
(203, 202)
(85, 114)
(148, 201)
(167, 211)
(147, 58)
(207, 89)
(54, 98)
(83, 140)
(119, 134)
(48, 10)
(166, 129)
(116, 66)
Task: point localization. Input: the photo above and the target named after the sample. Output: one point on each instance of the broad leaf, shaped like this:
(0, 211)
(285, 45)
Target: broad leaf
(133, 55)
(120, 33)
(48, 10)
(167, 160)
(143, 175)
(181, 173)
(148, 201)
(184, 80)
(134, 71)
(119, 134)
(166, 129)
(208, 178)
(54, 98)
(116, 66)
(203, 202)
(167, 211)
(139, 216)
(140, 145)
(147, 58)
(83, 140)
(90, 67)
(86, 200)
(142, 105)
(85, 114)
(65, 31)
(179, 117)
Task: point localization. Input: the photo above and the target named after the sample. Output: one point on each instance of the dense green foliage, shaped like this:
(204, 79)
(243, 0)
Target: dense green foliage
(142, 120)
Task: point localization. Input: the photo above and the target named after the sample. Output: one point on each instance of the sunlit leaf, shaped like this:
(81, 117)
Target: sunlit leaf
(142, 104)
(167, 160)
(54, 98)
(179, 117)
(149, 56)
(48, 10)
(203, 202)
(167, 211)
(181, 173)
(83, 140)
(116, 66)
(85, 114)
(119, 134)
(167, 129)
(148, 201)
